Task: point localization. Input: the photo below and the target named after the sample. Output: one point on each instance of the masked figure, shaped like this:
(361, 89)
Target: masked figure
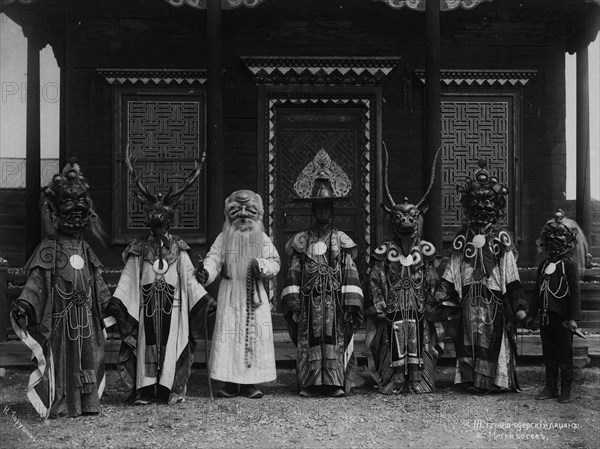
(58, 315)
(401, 335)
(323, 298)
(557, 297)
(242, 352)
(157, 296)
(482, 279)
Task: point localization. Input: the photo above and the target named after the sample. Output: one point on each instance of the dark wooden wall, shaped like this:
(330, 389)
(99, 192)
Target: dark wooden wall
(500, 35)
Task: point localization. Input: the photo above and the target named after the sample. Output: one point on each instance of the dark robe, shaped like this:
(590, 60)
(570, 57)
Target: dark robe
(320, 289)
(404, 344)
(67, 295)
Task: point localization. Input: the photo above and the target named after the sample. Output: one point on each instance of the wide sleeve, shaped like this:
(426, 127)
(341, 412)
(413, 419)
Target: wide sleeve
(36, 293)
(511, 285)
(290, 296)
(269, 263)
(377, 288)
(213, 262)
(450, 289)
(352, 294)
(195, 291)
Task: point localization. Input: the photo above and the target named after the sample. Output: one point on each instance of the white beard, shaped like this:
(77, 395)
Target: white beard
(242, 246)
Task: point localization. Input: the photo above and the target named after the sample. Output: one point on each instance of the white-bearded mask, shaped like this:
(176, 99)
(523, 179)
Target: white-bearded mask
(242, 231)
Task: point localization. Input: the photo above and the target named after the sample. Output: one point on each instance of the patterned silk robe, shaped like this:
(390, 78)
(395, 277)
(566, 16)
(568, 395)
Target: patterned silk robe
(402, 341)
(482, 279)
(322, 284)
(158, 346)
(68, 296)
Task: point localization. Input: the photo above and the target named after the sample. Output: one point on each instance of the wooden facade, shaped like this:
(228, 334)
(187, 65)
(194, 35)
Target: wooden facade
(297, 76)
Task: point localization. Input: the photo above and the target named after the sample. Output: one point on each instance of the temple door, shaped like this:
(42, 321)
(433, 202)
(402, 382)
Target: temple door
(301, 132)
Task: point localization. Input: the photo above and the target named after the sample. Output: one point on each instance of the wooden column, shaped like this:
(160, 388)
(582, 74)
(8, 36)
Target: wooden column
(583, 191)
(33, 225)
(214, 105)
(433, 123)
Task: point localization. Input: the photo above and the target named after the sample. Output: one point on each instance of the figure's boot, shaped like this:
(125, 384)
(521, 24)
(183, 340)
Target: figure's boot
(229, 390)
(550, 390)
(565, 392)
(250, 391)
(566, 380)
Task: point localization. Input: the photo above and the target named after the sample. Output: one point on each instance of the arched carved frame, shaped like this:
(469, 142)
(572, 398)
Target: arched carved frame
(369, 100)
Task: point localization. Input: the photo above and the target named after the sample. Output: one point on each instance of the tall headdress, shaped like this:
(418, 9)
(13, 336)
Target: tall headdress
(322, 180)
(480, 191)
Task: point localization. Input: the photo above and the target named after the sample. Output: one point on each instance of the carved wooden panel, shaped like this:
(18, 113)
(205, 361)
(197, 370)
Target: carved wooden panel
(473, 129)
(164, 139)
(164, 130)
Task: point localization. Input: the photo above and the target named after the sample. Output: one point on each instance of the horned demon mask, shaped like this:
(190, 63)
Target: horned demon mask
(158, 209)
(406, 218)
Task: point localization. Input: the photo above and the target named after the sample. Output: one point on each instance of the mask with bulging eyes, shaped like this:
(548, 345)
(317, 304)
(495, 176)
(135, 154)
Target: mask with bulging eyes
(67, 197)
(243, 209)
(557, 239)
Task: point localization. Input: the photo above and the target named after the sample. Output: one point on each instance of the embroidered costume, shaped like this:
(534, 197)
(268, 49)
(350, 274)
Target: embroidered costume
(323, 298)
(58, 315)
(482, 279)
(156, 298)
(403, 340)
(158, 304)
(557, 297)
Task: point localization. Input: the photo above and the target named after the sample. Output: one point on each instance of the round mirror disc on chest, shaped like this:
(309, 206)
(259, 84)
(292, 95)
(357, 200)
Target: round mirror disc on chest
(407, 261)
(478, 241)
(319, 248)
(550, 268)
(76, 261)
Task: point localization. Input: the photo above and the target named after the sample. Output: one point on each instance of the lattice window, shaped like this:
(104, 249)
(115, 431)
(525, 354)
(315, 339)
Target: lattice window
(471, 130)
(165, 135)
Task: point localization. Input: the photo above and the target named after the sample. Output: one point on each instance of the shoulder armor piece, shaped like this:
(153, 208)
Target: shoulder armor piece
(428, 250)
(44, 256)
(134, 248)
(380, 253)
(297, 243)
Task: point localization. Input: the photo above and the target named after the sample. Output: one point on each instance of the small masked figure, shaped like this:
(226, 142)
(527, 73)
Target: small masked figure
(323, 298)
(401, 333)
(482, 279)
(58, 315)
(244, 257)
(557, 297)
(156, 297)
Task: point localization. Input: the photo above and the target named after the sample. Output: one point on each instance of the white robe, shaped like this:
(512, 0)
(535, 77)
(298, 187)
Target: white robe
(229, 359)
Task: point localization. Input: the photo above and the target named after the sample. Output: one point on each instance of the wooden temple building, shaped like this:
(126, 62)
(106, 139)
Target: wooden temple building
(262, 85)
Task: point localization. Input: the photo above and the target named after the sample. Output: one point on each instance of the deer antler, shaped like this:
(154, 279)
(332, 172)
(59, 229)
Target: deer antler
(136, 177)
(432, 177)
(385, 176)
(172, 198)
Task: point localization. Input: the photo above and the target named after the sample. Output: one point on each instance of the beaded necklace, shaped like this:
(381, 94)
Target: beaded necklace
(549, 270)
